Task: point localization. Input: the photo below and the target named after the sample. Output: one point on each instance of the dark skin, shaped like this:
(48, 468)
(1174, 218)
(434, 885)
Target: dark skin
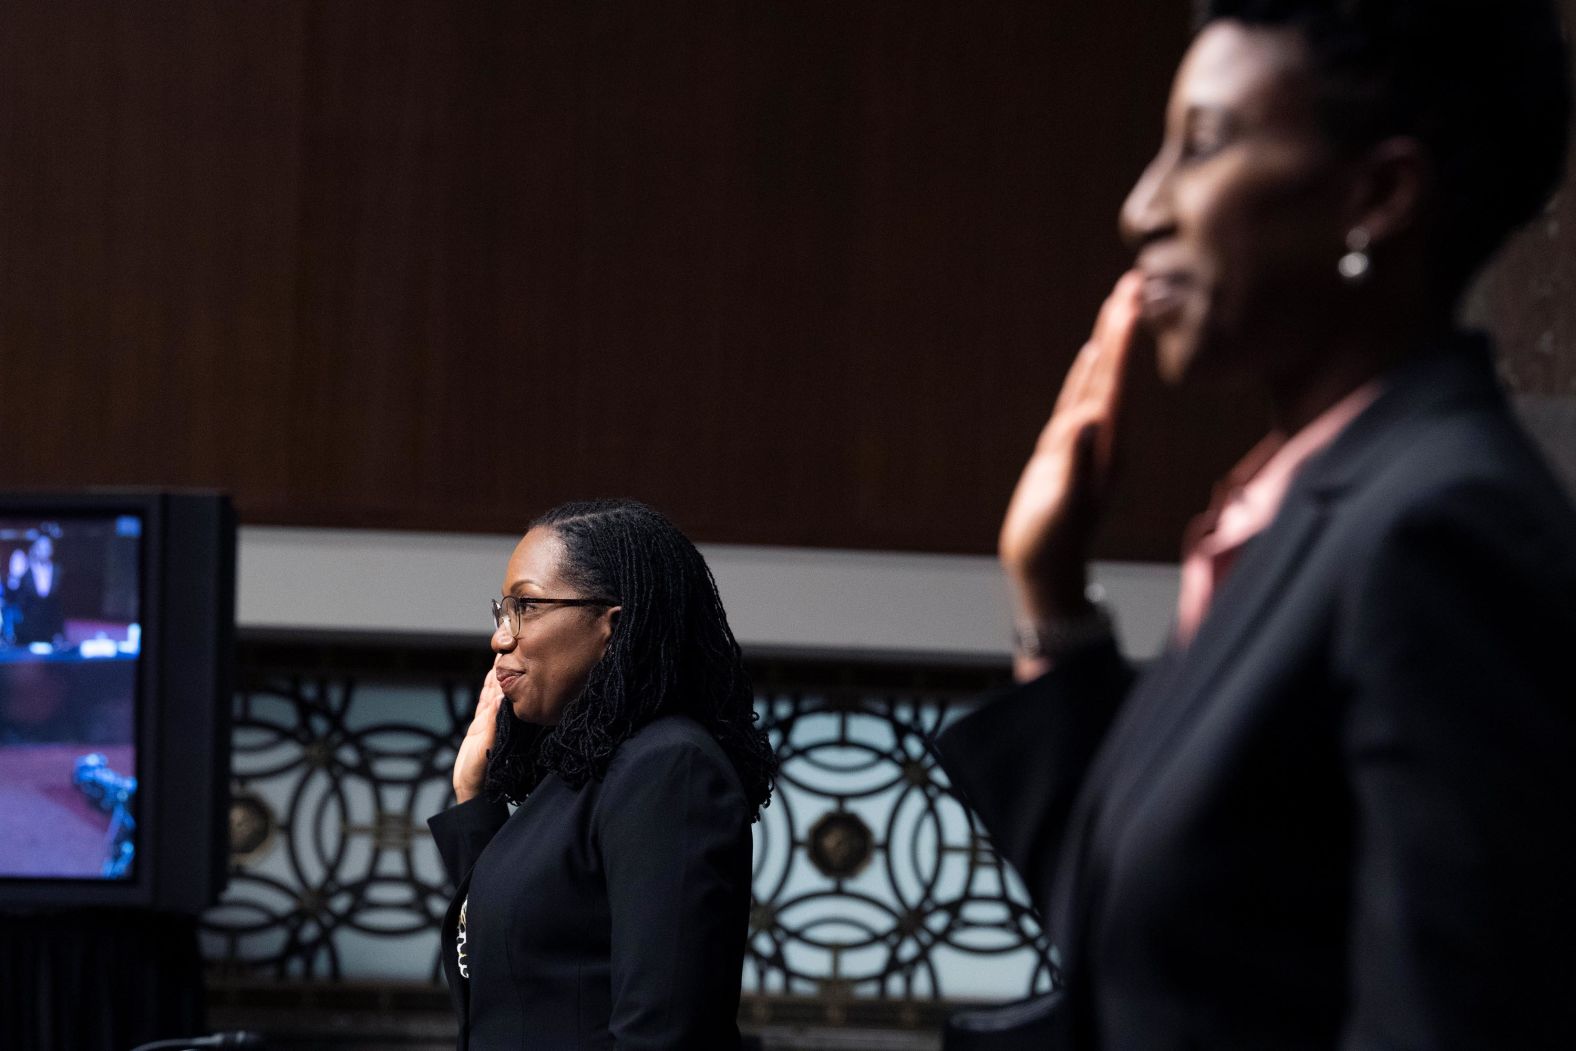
(543, 668)
(1238, 223)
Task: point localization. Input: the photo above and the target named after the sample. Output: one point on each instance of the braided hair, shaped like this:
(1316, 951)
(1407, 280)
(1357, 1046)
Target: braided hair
(671, 651)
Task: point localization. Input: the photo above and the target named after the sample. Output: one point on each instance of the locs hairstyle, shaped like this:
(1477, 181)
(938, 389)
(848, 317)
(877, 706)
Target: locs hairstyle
(1483, 84)
(671, 651)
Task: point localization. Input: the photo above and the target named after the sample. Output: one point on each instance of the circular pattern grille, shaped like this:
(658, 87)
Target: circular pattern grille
(871, 878)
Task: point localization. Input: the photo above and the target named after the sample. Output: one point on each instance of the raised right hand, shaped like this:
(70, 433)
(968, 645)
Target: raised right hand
(470, 763)
(1055, 509)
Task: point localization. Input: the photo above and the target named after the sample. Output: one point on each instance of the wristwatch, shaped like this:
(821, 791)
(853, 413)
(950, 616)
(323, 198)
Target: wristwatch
(1050, 639)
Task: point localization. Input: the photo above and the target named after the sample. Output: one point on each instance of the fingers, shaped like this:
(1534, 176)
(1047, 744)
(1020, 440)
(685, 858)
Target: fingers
(1116, 331)
(1097, 381)
(487, 704)
(1075, 386)
(1112, 342)
(1089, 460)
(1119, 313)
(470, 761)
(1099, 366)
(1055, 507)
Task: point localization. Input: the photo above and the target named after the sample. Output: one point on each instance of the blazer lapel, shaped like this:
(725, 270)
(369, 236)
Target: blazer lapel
(1168, 697)
(1262, 575)
(1444, 380)
(1164, 703)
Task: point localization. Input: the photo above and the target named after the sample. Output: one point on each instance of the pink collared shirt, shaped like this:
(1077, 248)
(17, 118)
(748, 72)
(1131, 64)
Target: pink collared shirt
(1246, 501)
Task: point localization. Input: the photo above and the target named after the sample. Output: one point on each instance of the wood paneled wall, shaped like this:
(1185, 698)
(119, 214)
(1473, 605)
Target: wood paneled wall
(798, 273)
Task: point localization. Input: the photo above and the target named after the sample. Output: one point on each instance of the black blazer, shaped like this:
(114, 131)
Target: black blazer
(1343, 817)
(609, 917)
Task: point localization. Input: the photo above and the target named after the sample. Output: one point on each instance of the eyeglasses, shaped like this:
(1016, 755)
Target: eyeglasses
(515, 611)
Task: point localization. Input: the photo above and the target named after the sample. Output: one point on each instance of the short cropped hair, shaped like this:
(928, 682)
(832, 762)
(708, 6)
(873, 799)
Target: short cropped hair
(1483, 84)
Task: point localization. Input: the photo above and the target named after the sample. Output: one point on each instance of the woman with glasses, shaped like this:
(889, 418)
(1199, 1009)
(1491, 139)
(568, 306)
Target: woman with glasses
(609, 908)
(1336, 813)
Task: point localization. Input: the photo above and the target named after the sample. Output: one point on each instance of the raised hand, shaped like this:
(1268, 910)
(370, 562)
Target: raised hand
(1056, 507)
(470, 763)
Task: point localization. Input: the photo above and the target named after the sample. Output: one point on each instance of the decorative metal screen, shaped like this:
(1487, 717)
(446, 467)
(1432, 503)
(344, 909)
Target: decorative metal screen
(872, 881)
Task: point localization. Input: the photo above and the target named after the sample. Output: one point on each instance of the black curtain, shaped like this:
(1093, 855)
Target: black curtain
(98, 979)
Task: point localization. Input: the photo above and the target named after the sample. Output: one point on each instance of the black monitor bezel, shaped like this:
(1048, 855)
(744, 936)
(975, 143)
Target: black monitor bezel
(166, 824)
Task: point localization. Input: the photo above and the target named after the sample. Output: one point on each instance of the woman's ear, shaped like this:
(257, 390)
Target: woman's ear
(1393, 188)
(609, 622)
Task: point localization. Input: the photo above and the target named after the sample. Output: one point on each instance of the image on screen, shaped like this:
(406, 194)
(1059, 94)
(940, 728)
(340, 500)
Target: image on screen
(70, 640)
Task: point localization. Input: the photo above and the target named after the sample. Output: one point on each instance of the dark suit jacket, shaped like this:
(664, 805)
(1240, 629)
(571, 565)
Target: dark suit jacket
(1342, 818)
(609, 917)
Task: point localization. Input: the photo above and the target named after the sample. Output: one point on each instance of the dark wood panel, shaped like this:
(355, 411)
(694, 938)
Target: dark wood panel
(798, 273)
(147, 243)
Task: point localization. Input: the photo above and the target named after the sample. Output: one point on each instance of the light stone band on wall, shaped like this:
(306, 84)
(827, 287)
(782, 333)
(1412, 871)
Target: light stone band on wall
(804, 601)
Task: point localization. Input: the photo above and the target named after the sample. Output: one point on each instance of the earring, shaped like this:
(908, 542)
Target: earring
(1355, 263)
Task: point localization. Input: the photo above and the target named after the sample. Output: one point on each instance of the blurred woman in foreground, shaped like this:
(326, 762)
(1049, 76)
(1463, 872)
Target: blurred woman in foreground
(1336, 813)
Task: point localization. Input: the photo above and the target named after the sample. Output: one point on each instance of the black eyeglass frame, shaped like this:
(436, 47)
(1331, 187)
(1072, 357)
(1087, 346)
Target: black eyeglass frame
(499, 607)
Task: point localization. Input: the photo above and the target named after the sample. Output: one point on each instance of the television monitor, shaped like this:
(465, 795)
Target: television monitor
(117, 613)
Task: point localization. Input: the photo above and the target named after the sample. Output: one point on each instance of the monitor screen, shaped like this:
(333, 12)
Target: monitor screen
(70, 644)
